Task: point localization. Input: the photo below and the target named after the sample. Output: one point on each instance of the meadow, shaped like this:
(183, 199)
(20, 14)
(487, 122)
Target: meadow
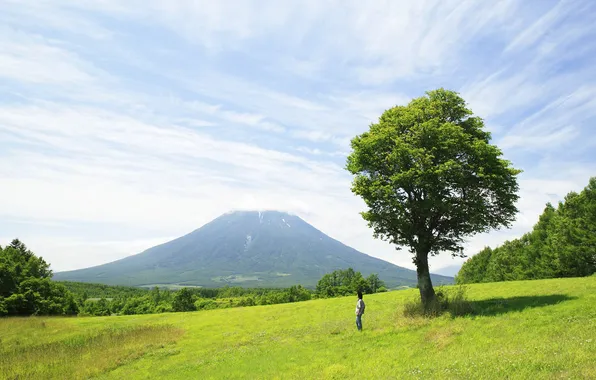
(542, 329)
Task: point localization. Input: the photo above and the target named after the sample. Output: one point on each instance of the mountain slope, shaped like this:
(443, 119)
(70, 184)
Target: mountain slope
(449, 270)
(247, 248)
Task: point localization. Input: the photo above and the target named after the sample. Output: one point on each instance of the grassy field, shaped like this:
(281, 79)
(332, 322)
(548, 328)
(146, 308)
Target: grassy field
(542, 329)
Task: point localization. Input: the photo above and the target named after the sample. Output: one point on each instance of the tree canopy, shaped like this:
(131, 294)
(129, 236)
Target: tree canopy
(430, 177)
(561, 244)
(26, 287)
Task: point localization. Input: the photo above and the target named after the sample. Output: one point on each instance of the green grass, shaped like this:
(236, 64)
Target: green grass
(542, 329)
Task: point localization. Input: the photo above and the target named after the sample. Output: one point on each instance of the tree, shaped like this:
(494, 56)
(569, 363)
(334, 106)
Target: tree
(183, 300)
(155, 296)
(573, 236)
(18, 263)
(430, 178)
(474, 269)
(327, 285)
(542, 261)
(374, 282)
(102, 307)
(297, 293)
(360, 285)
(25, 285)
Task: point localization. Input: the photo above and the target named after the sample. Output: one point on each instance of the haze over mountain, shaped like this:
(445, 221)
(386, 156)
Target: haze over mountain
(246, 248)
(450, 270)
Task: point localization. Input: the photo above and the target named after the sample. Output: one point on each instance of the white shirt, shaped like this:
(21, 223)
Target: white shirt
(359, 306)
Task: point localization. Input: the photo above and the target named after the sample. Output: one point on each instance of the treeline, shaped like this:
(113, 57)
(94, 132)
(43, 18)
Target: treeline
(26, 288)
(91, 290)
(159, 300)
(561, 244)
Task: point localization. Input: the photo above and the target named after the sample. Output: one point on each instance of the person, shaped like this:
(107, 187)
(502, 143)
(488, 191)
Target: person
(359, 311)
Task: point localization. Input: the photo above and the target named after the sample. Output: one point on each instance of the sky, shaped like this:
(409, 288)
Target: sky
(124, 124)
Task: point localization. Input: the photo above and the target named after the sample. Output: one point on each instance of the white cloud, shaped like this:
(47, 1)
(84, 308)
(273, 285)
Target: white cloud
(528, 141)
(536, 30)
(382, 42)
(34, 59)
(117, 169)
(46, 15)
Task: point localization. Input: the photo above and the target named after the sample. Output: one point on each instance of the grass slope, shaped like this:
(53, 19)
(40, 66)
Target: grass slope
(542, 329)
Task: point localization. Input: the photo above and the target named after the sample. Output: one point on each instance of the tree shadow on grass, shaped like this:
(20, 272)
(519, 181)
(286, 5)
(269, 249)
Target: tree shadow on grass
(498, 306)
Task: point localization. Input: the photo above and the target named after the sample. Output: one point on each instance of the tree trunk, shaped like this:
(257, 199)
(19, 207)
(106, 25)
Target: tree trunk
(425, 285)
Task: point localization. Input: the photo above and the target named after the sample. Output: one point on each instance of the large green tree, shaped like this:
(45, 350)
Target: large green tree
(430, 177)
(17, 264)
(26, 287)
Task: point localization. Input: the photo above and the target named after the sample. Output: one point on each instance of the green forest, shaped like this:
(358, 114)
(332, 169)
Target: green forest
(27, 288)
(561, 244)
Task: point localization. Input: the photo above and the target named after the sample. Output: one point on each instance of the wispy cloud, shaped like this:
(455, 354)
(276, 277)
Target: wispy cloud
(154, 117)
(33, 59)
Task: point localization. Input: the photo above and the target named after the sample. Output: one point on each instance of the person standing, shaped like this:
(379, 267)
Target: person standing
(359, 311)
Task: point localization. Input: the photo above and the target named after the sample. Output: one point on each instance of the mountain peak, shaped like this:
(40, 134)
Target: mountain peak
(251, 217)
(258, 212)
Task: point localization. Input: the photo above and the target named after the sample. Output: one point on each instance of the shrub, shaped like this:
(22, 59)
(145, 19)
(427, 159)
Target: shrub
(456, 302)
(3, 308)
(452, 300)
(163, 308)
(205, 304)
(414, 308)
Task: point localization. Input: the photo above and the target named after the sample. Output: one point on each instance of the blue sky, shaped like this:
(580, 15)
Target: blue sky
(124, 124)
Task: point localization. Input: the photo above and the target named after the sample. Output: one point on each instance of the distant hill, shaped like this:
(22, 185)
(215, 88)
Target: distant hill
(245, 248)
(450, 270)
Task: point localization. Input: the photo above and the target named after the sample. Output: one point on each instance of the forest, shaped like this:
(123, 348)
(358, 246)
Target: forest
(561, 244)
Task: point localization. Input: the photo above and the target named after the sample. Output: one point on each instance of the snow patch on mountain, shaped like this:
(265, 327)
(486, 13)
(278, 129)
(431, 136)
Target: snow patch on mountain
(247, 242)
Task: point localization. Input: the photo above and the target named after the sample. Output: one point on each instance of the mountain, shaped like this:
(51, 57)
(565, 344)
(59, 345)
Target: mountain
(450, 270)
(244, 248)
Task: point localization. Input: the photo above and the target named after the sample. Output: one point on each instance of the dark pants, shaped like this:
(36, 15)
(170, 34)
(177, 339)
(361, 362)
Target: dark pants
(359, 322)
